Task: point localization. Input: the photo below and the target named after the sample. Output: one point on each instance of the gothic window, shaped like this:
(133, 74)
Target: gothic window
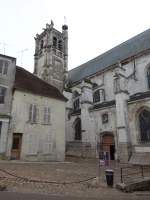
(104, 118)
(60, 45)
(0, 127)
(46, 115)
(2, 94)
(148, 77)
(144, 122)
(96, 96)
(33, 113)
(54, 42)
(78, 134)
(76, 104)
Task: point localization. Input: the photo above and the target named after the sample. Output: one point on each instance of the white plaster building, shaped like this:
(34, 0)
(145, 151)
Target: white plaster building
(32, 119)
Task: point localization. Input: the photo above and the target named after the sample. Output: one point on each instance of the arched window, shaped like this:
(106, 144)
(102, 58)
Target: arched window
(144, 122)
(77, 127)
(76, 101)
(148, 77)
(54, 42)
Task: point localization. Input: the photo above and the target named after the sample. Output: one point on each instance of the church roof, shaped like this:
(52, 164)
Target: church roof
(121, 52)
(28, 82)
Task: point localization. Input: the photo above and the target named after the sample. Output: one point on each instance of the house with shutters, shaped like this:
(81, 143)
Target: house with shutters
(32, 115)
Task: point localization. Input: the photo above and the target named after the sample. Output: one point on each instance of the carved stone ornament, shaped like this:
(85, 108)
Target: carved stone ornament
(105, 118)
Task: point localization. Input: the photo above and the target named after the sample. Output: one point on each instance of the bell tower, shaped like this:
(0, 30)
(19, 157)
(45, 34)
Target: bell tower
(51, 55)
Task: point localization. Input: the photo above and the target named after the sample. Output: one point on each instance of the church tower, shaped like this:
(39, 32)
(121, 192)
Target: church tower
(51, 56)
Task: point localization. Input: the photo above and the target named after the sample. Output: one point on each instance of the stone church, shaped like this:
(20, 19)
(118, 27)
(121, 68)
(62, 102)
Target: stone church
(108, 107)
(109, 104)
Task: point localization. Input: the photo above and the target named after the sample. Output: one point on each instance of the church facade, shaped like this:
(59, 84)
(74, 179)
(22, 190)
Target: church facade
(109, 104)
(108, 107)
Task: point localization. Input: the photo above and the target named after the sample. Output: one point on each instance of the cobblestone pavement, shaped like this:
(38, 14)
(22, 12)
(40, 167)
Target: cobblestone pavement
(74, 170)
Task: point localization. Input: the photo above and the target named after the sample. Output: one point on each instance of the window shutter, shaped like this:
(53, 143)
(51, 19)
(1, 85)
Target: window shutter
(2, 94)
(5, 68)
(1, 66)
(30, 113)
(34, 114)
(46, 115)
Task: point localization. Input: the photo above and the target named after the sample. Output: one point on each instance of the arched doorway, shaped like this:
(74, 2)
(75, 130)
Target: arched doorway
(108, 144)
(77, 127)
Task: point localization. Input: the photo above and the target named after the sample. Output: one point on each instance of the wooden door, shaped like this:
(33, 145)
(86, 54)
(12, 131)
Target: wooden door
(16, 146)
(108, 145)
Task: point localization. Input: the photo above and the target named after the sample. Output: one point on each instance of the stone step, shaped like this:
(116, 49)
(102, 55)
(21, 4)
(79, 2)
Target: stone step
(141, 184)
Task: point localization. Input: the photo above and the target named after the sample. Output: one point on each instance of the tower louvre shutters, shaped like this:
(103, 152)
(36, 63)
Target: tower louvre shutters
(51, 56)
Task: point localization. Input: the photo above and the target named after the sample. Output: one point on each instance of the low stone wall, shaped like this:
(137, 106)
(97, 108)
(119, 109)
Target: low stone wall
(79, 149)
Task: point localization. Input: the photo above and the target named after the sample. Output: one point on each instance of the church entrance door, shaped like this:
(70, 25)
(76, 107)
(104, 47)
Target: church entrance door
(109, 145)
(16, 146)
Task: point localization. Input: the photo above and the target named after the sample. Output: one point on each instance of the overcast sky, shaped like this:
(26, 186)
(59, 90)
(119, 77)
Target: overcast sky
(95, 26)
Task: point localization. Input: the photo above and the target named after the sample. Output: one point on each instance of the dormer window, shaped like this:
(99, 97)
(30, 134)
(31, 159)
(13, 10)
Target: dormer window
(54, 42)
(60, 45)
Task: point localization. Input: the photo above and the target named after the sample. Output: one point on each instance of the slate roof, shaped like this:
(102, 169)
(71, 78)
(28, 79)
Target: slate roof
(28, 82)
(121, 52)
